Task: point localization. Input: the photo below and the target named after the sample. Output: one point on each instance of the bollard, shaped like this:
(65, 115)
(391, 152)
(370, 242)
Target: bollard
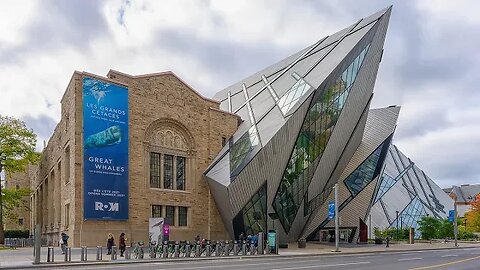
(127, 253)
(197, 250)
(165, 249)
(83, 254)
(187, 249)
(235, 248)
(68, 254)
(176, 250)
(50, 255)
(217, 249)
(227, 248)
(244, 248)
(114, 253)
(260, 243)
(99, 253)
(207, 251)
(153, 254)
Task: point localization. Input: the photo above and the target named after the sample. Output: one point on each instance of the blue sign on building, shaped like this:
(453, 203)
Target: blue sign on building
(331, 210)
(105, 150)
(451, 215)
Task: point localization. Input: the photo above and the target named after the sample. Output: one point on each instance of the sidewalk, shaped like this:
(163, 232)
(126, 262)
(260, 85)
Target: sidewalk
(23, 258)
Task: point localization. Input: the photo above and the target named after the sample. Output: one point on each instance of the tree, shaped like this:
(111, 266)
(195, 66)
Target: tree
(428, 226)
(17, 150)
(473, 216)
(445, 229)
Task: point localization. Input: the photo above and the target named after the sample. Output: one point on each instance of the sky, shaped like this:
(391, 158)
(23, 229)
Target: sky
(429, 66)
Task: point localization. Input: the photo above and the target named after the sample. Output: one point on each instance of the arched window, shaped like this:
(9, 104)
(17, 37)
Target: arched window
(170, 150)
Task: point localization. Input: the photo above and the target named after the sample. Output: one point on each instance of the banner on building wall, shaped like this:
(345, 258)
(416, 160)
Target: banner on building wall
(155, 230)
(105, 150)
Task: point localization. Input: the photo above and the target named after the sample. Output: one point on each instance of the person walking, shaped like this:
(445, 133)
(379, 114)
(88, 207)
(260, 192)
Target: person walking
(64, 242)
(110, 243)
(121, 243)
(388, 241)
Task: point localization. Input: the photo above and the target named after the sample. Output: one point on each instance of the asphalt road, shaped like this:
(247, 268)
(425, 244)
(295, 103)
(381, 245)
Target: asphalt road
(458, 259)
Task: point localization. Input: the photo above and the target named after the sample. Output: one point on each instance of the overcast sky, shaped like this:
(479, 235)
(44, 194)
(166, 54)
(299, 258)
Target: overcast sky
(430, 67)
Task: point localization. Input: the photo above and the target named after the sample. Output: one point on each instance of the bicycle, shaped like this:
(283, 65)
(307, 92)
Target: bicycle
(138, 251)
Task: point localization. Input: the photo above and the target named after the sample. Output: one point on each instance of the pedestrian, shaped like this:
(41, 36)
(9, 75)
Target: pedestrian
(197, 239)
(122, 244)
(241, 237)
(388, 241)
(64, 242)
(110, 243)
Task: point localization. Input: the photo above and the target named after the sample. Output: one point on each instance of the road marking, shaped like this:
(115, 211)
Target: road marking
(366, 257)
(320, 266)
(445, 264)
(449, 255)
(409, 259)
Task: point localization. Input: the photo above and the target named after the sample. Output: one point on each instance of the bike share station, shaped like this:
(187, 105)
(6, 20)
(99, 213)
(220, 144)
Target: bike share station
(160, 247)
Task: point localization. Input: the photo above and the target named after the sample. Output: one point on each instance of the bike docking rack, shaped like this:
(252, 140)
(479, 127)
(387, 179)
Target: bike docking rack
(169, 250)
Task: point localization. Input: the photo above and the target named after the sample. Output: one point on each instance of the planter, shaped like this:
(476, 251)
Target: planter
(378, 241)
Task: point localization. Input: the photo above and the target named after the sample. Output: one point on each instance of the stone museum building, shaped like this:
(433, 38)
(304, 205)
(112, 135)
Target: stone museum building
(174, 134)
(263, 154)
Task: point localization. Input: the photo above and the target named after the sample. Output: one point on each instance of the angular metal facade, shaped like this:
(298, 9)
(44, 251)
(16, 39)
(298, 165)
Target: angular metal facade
(306, 126)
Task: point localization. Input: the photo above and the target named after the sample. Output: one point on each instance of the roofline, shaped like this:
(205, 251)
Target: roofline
(168, 72)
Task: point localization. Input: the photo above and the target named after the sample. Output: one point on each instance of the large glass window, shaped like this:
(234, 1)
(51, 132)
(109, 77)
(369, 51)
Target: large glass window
(385, 185)
(170, 214)
(293, 95)
(252, 217)
(180, 173)
(168, 171)
(410, 216)
(156, 211)
(182, 216)
(155, 170)
(364, 173)
(242, 147)
(312, 141)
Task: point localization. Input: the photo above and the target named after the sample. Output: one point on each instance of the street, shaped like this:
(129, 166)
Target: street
(458, 259)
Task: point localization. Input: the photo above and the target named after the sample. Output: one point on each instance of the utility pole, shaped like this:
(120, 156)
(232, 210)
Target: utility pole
(337, 233)
(455, 225)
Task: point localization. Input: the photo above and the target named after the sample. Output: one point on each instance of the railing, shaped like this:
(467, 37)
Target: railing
(18, 242)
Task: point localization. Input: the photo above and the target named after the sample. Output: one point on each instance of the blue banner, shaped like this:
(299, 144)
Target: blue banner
(451, 215)
(331, 210)
(105, 150)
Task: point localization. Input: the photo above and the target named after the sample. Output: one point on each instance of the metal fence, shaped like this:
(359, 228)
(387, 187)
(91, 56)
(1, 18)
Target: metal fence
(18, 242)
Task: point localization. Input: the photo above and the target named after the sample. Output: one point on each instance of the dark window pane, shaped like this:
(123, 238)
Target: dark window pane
(182, 216)
(156, 211)
(154, 170)
(170, 214)
(180, 173)
(168, 172)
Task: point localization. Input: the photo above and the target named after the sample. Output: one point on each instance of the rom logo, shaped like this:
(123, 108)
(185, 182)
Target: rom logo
(112, 207)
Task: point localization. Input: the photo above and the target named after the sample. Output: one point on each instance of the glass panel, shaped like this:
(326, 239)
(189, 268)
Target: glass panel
(156, 211)
(410, 216)
(255, 211)
(170, 214)
(293, 95)
(182, 216)
(312, 140)
(168, 172)
(363, 174)
(155, 170)
(242, 147)
(180, 173)
(386, 183)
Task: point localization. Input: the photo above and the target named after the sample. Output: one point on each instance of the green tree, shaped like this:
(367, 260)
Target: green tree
(445, 229)
(429, 226)
(17, 150)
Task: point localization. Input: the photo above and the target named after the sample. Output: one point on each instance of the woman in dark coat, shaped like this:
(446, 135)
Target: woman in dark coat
(122, 244)
(110, 243)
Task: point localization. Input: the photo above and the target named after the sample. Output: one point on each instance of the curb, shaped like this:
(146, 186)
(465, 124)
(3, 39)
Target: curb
(144, 261)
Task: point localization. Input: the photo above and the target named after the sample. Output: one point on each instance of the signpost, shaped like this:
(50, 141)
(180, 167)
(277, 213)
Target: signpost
(337, 235)
(451, 215)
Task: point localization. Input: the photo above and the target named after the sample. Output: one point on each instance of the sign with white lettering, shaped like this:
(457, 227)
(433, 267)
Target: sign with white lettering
(105, 150)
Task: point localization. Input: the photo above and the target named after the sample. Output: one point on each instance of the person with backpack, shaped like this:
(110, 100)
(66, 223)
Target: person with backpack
(64, 242)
